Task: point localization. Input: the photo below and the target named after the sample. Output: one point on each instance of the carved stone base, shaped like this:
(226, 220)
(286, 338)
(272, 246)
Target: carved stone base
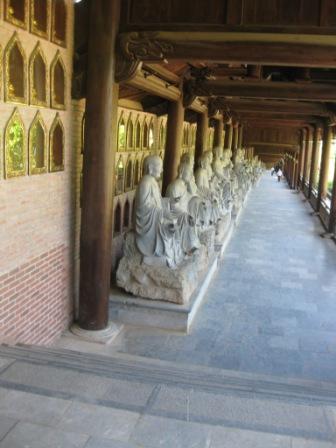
(207, 239)
(130, 310)
(162, 282)
(105, 336)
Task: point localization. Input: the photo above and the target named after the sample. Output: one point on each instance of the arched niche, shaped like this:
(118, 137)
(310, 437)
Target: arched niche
(129, 175)
(130, 133)
(151, 139)
(145, 135)
(57, 76)
(40, 17)
(126, 219)
(59, 22)
(16, 12)
(138, 134)
(119, 177)
(38, 78)
(136, 172)
(15, 72)
(121, 134)
(56, 146)
(117, 220)
(15, 147)
(37, 146)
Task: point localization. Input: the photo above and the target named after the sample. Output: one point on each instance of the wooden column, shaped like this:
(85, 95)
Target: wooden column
(240, 136)
(297, 170)
(332, 219)
(219, 130)
(301, 160)
(314, 161)
(173, 143)
(98, 166)
(228, 137)
(235, 142)
(201, 135)
(323, 182)
(308, 151)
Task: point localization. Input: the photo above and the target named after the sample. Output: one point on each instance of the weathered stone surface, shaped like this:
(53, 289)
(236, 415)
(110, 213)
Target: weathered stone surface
(162, 282)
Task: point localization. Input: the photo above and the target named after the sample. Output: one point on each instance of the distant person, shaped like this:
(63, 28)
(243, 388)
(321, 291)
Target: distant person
(279, 174)
(272, 171)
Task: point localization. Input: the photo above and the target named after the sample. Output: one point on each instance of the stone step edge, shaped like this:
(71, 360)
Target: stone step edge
(176, 374)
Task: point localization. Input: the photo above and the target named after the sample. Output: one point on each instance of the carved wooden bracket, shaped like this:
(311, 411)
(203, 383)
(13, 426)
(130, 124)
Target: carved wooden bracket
(144, 46)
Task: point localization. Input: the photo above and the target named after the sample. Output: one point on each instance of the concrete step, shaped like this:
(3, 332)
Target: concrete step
(155, 371)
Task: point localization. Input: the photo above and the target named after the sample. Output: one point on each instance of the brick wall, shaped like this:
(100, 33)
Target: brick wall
(37, 218)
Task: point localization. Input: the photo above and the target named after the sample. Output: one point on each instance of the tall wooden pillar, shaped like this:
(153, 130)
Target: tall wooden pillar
(314, 161)
(98, 166)
(235, 141)
(301, 159)
(297, 169)
(323, 182)
(201, 135)
(173, 142)
(240, 136)
(228, 137)
(332, 219)
(307, 160)
(218, 135)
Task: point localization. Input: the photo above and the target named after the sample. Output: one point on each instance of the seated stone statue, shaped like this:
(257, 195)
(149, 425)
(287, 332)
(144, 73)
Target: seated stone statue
(223, 176)
(155, 228)
(204, 187)
(186, 223)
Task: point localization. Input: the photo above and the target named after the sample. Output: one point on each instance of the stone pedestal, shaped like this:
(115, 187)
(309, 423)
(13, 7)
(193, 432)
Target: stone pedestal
(162, 282)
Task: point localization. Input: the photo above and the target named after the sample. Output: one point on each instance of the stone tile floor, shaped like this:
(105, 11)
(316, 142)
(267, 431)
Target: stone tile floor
(272, 307)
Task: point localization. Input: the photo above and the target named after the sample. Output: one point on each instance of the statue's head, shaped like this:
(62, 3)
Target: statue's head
(203, 161)
(176, 190)
(153, 166)
(218, 152)
(187, 158)
(185, 171)
(209, 156)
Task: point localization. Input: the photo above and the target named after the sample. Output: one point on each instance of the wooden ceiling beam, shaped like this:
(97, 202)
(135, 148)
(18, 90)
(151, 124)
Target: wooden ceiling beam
(289, 49)
(267, 90)
(269, 106)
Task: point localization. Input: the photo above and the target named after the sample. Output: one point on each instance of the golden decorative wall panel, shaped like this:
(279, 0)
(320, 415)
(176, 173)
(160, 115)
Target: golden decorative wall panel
(15, 147)
(40, 17)
(16, 12)
(38, 146)
(38, 78)
(58, 22)
(57, 83)
(15, 72)
(56, 146)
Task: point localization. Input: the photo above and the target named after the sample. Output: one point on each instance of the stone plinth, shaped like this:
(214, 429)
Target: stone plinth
(161, 282)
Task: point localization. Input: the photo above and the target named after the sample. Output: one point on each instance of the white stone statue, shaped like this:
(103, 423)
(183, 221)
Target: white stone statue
(154, 226)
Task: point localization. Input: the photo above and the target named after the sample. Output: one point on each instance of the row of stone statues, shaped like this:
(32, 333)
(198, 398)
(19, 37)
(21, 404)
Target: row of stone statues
(175, 236)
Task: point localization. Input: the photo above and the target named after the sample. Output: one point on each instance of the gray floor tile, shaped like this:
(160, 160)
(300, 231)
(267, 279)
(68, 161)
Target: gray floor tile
(28, 435)
(235, 438)
(96, 442)
(101, 421)
(6, 424)
(154, 432)
(32, 408)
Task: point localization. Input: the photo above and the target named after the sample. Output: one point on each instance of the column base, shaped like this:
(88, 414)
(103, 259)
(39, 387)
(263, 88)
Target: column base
(105, 336)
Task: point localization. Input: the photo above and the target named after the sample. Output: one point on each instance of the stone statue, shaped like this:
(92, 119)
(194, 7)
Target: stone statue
(163, 257)
(154, 226)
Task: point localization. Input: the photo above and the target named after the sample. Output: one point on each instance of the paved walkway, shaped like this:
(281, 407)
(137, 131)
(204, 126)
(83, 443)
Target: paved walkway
(272, 307)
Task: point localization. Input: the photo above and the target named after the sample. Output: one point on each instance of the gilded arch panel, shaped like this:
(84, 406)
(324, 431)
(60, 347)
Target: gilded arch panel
(56, 145)
(15, 146)
(58, 83)
(37, 146)
(38, 78)
(40, 18)
(15, 67)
